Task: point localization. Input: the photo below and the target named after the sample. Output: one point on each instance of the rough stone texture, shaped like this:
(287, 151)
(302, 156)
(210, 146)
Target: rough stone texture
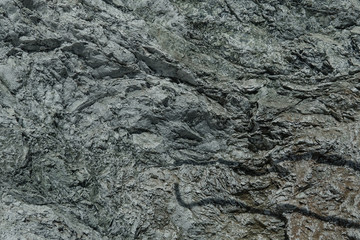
(179, 119)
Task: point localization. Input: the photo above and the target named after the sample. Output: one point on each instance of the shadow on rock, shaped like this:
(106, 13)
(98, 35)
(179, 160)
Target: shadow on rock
(279, 211)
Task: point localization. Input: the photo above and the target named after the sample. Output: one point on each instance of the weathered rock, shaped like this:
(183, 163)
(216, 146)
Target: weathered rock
(216, 119)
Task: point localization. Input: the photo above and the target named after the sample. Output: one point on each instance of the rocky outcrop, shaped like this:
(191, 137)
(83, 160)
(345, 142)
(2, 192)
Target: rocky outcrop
(172, 119)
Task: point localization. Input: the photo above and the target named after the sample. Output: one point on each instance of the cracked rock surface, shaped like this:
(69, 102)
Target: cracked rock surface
(179, 119)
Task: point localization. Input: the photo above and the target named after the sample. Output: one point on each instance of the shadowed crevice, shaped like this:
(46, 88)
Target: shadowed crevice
(328, 159)
(280, 210)
(322, 158)
(236, 166)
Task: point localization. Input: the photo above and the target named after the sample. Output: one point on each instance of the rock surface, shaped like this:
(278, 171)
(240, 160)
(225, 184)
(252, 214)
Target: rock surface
(179, 119)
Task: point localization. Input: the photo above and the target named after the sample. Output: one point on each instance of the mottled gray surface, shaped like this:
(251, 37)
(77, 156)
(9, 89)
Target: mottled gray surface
(179, 119)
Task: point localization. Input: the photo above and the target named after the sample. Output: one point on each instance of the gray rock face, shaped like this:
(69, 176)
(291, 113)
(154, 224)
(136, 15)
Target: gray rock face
(179, 119)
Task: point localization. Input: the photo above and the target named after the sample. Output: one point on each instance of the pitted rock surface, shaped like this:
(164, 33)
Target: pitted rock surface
(179, 119)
